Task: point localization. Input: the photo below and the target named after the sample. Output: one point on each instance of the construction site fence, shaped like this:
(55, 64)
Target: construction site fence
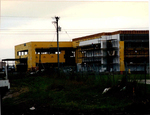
(71, 71)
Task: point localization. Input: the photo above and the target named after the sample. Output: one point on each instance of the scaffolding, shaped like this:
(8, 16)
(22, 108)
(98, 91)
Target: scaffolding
(100, 56)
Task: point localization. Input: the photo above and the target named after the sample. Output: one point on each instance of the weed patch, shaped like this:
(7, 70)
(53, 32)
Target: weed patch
(82, 94)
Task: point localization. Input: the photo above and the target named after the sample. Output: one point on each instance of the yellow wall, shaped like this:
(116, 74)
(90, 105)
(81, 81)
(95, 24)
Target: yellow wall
(75, 44)
(51, 44)
(21, 47)
(34, 58)
(78, 56)
(121, 53)
(50, 58)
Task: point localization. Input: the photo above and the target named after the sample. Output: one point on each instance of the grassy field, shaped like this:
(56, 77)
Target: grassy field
(71, 94)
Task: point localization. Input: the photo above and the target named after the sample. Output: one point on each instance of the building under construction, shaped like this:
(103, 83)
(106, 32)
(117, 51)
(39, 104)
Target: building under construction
(45, 53)
(113, 51)
(110, 51)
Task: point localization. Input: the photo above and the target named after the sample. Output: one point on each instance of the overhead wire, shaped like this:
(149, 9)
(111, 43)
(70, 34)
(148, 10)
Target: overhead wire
(51, 31)
(70, 30)
(36, 0)
(66, 32)
(53, 38)
(46, 33)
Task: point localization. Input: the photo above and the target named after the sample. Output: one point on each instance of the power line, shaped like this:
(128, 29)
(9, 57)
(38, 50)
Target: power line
(66, 30)
(68, 35)
(25, 17)
(70, 1)
(36, 0)
(63, 32)
(46, 29)
(52, 0)
(43, 1)
(53, 39)
(7, 34)
(37, 33)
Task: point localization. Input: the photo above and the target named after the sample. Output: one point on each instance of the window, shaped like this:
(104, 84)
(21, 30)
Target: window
(24, 52)
(57, 52)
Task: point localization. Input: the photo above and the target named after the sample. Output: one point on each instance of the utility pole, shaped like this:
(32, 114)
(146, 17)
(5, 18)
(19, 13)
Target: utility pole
(58, 28)
(40, 62)
(57, 18)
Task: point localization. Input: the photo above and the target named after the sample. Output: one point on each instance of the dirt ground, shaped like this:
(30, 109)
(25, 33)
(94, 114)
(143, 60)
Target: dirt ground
(22, 108)
(25, 109)
(45, 110)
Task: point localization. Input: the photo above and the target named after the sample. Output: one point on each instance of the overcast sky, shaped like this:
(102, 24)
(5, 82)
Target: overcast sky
(31, 20)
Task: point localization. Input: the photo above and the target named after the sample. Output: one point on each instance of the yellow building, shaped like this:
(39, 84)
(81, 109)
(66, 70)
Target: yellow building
(46, 52)
(109, 51)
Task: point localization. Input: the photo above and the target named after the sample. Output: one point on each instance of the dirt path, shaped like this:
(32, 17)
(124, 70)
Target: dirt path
(15, 92)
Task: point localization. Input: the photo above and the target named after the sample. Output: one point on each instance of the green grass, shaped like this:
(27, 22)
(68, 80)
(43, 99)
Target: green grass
(82, 94)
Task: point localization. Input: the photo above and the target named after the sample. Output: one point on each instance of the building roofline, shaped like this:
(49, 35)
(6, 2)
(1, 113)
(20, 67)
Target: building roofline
(113, 33)
(43, 42)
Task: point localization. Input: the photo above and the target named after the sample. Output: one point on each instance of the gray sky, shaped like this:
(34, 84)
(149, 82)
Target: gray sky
(31, 20)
